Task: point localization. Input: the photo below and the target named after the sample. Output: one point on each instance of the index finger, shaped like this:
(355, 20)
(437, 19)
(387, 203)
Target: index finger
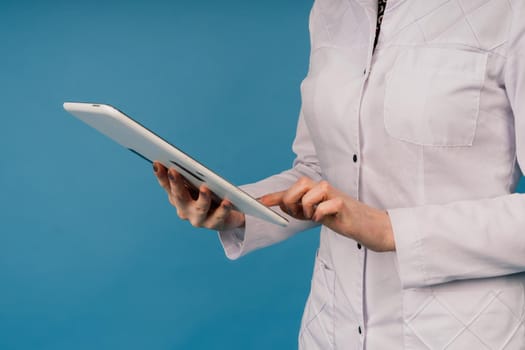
(162, 175)
(178, 191)
(272, 199)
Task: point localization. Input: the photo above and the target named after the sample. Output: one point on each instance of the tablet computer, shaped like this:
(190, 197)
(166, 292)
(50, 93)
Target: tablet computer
(146, 144)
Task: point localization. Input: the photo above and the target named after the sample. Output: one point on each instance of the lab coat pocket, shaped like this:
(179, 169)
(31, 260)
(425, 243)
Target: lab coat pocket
(465, 315)
(432, 96)
(317, 325)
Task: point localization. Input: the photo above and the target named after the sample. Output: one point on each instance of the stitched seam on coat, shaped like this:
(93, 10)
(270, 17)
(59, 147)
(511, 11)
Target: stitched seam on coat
(422, 265)
(521, 319)
(419, 244)
(513, 333)
(433, 10)
(392, 6)
(512, 29)
(422, 183)
(478, 106)
(322, 328)
(422, 307)
(415, 20)
(317, 312)
(417, 335)
(446, 46)
(468, 22)
(450, 25)
(325, 25)
(508, 308)
(465, 14)
(466, 326)
(422, 32)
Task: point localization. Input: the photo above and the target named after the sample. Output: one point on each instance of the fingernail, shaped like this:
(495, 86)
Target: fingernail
(228, 206)
(155, 169)
(171, 177)
(204, 194)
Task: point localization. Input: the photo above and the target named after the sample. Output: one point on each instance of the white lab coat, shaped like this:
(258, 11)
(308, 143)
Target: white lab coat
(436, 119)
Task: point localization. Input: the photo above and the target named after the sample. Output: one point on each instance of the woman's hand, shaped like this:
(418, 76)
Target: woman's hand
(320, 202)
(194, 205)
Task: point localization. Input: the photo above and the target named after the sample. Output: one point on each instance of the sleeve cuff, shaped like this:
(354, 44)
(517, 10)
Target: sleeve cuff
(240, 241)
(409, 247)
(232, 242)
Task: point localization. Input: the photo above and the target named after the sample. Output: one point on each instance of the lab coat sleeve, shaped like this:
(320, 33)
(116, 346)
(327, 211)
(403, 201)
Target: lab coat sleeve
(258, 233)
(469, 239)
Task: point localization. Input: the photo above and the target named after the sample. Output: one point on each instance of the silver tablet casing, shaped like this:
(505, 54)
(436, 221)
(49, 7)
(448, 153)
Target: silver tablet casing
(129, 133)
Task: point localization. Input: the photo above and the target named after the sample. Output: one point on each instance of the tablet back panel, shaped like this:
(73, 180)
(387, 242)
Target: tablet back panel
(146, 144)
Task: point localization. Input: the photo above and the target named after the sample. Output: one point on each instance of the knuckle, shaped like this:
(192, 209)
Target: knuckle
(306, 201)
(172, 201)
(195, 221)
(288, 200)
(200, 210)
(324, 185)
(303, 180)
(220, 216)
(181, 214)
(207, 225)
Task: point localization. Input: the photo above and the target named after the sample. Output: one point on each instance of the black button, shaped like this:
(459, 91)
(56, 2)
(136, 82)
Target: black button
(358, 245)
(364, 71)
(355, 158)
(359, 329)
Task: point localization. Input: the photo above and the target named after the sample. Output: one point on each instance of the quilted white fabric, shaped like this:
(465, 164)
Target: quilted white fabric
(435, 120)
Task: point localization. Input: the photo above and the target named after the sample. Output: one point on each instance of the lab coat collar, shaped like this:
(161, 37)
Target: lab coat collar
(372, 4)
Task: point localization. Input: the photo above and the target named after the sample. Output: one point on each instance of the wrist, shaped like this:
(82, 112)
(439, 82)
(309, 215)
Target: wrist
(374, 227)
(386, 231)
(242, 223)
(235, 220)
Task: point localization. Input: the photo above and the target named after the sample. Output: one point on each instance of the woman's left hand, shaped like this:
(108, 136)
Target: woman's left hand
(320, 202)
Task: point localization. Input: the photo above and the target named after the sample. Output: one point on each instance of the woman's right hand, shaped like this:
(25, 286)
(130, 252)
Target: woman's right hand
(199, 209)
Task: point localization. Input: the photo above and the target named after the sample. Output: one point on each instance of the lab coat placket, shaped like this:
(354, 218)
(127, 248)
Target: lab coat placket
(371, 12)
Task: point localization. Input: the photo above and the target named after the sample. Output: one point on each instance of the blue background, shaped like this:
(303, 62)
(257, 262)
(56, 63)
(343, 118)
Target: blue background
(92, 255)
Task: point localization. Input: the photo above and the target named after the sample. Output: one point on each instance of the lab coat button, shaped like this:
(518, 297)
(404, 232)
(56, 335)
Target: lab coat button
(355, 158)
(359, 330)
(364, 71)
(358, 245)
